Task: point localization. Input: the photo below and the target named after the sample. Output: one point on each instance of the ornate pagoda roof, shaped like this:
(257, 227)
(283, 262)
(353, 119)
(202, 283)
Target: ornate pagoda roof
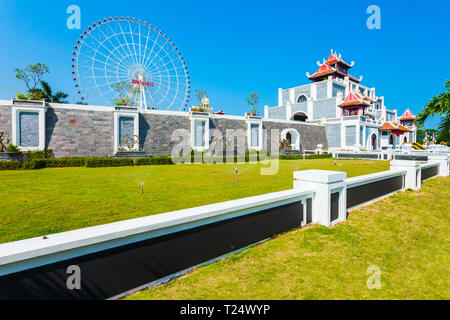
(335, 58)
(408, 115)
(354, 99)
(394, 126)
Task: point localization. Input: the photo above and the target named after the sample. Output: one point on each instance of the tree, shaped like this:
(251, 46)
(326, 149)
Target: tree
(200, 93)
(48, 94)
(32, 74)
(438, 106)
(252, 100)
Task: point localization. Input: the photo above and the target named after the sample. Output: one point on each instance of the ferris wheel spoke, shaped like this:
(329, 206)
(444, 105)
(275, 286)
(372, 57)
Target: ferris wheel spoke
(156, 54)
(146, 43)
(94, 59)
(109, 40)
(102, 44)
(132, 43)
(126, 41)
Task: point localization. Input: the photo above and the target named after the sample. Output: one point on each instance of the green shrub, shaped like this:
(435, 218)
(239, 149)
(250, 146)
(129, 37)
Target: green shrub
(12, 148)
(10, 165)
(38, 154)
(64, 162)
(290, 156)
(318, 156)
(34, 164)
(108, 162)
(161, 160)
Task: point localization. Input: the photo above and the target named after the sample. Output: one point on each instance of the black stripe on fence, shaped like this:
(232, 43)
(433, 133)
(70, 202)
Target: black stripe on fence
(114, 271)
(369, 191)
(429, 172)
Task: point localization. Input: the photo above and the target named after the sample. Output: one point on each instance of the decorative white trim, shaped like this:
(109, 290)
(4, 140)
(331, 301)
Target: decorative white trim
(258, 122)
(16, 110)
(200, 118)
(125, 114)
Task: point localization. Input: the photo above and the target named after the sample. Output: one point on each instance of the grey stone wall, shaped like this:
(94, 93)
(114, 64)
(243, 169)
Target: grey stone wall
(299, 107)
(310, 135)
(5, 122)
(303, 90)
(350, 135)
(277, 113)
(321, 89)
(334, 135)
(73, 133)
(324, 109)
(29, 129)
(155, 132)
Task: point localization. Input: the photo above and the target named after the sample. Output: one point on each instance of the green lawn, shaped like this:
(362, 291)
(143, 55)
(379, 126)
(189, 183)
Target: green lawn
(46, 201)
(405, 235)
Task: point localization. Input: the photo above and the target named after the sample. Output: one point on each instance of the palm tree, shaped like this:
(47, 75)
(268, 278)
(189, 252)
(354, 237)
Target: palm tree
(48, 94)
(438, 105)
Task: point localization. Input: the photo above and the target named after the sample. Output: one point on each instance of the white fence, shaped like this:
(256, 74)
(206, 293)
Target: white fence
(117, 257)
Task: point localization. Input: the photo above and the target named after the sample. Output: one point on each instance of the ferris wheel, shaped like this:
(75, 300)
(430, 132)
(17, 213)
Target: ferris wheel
(126, 62)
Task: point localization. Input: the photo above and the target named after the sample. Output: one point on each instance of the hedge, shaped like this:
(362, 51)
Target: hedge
(318, 156)
(108, 162)
(10, 165)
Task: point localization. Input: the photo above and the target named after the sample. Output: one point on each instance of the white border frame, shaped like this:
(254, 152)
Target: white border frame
(15, 125)
(125, 114)
(200, 118)
(249, 133)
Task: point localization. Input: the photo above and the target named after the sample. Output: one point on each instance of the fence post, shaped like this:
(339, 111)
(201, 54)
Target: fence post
(330, 201)
(443, 163)
(413, 172)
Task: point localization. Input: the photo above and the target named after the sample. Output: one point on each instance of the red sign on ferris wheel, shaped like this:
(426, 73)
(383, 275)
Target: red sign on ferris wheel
(143, 83)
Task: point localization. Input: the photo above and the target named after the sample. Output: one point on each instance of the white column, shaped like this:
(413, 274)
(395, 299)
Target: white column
(288, 110)
(292, 96)
(443, 160)
(413, 172)
(266, 112)
(329, 87)
(324, 183)
(280, 97)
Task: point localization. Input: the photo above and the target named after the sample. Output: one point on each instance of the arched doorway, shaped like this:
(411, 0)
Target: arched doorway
(374, 142)
(292, 137)
(391, 140)
(299, 116)
(405, 139)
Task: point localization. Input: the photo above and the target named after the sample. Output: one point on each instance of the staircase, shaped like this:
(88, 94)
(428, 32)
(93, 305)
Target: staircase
(130, 154)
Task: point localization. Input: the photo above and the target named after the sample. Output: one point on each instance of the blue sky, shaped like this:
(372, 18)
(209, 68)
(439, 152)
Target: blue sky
(235, 47)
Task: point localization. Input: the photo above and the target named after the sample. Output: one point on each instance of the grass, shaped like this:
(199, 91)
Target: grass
(405, 235)
(40, 202)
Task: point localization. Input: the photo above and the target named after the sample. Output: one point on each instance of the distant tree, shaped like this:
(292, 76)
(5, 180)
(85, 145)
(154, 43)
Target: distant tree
(438, 106)
(32, 74)
(124, 92)
(200, 93)
(252, 100)
(58, 97)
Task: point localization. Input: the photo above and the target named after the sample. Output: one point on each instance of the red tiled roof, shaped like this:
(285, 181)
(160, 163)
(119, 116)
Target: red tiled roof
(333, 58)
(394, 126)
(327, 70)
(408, 115)
(353, 99)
